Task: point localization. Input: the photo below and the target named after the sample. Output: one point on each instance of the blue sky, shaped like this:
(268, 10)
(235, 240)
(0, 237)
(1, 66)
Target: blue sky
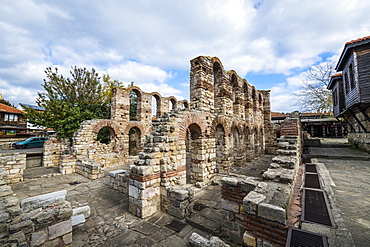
(270, 43)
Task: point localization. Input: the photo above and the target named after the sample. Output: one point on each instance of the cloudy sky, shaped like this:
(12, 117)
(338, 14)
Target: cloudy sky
(270, 43)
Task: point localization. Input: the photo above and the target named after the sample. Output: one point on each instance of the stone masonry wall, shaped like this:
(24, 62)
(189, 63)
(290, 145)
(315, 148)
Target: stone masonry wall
(13, 165)
(45, 223)
(258, 212)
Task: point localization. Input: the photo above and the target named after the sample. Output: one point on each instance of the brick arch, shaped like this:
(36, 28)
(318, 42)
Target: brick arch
(106, 123)
(134, 124)
(188, 120)
(220, 120)
(236, 124)
(135, 88)
(172, 99)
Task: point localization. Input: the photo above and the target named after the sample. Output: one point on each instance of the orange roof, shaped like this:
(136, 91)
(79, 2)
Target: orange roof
(6, 108)
(277, 114)
(339, 74)
(357, 40)
(316, 114)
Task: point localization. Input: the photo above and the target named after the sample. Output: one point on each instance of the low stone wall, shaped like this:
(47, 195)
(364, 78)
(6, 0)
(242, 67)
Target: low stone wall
(177, 200)
(37, 221)
(119, 180)
(89, 168)
(361, 140)
(13, 164)
(6, 143)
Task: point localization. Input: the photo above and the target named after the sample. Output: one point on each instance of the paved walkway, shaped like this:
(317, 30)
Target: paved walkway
(111, 225)
(349, 169)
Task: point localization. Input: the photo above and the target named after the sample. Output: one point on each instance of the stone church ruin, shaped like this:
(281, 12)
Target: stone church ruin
(158, 149)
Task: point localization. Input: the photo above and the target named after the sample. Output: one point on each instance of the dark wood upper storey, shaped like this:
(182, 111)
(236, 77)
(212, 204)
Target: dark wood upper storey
(351, 87)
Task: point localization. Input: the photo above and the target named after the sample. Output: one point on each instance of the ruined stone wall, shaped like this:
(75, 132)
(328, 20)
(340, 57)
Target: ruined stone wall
(13, 166)
(258, 212)
(31, 222)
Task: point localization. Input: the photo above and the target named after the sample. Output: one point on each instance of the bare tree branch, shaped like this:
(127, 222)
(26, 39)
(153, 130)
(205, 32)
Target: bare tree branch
(313, 95)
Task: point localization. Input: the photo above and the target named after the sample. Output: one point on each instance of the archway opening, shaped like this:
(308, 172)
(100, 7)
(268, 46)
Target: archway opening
(221, 156)
(156, 107)
(173, 104)
(217, 75)
(236, 147)
(135, 109)
(192, 143)
(134, 141)
(105, 135)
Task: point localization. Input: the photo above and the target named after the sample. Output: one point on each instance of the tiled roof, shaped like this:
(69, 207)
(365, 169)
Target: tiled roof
(277, 114)
(357, 40)
(339, 74)
(6, 108)
(308, 114)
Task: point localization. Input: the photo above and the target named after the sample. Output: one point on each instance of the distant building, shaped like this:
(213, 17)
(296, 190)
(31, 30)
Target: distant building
(351, 90)
(316, 124)
(30, 127)
(12, 121)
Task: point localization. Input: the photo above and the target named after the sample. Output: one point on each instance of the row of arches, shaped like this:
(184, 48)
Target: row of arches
(240, 95)
(107, 134)
(136, 105)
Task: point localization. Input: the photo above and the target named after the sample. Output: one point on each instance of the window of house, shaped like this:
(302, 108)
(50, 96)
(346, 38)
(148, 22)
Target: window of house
(351, 76)
(346, 84)
(335, 97)
(11, 117)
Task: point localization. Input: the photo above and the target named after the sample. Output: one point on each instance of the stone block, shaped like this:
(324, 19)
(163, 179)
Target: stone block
(249, 240)
(67, 239)
(177, 212)
(229, 182)
(38, 238)
(85, 210)
(78, 220)
(133, 192)
(34, 202)
(60, 229)
(248, 184)
(5, 191)
(114, 173)
(25, 225)
(179, 193)
(251, 201)
(272, 212)
(197, 240)
(230, 206)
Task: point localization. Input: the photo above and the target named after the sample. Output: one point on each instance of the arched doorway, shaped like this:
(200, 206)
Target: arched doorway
(192, 142)
(135, 105)
(134, 141)
(221, 157)
(236, 146)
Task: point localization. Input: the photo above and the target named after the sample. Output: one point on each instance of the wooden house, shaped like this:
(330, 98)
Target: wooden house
(351, 90)
(12, 121)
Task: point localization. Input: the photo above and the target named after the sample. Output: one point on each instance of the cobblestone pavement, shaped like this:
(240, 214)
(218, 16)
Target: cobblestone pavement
(110, 224)
(350, 171)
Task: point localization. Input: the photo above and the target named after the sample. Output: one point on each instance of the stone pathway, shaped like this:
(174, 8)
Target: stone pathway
(349, 169)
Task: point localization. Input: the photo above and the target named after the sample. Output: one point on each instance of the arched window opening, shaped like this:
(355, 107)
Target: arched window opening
(105, 135)
(134, 141)
(254, 100)
(235, 146)
(156, 107)
(193, 133)
(135, 100)
(256, 144)
(221, 157)
(217, 76)
(186, 105)
(173, 104)
(234, 84)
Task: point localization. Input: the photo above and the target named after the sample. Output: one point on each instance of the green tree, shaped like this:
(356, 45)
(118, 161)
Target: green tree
(314, 95)
(5, 102)
(69, 101)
